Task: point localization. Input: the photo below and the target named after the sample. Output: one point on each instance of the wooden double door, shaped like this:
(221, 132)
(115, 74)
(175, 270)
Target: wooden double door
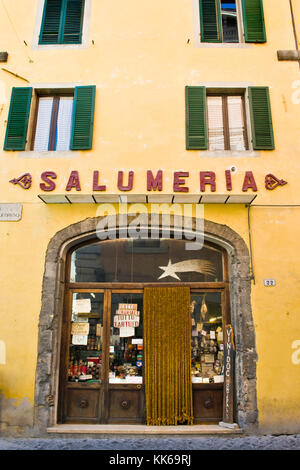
(102, 357)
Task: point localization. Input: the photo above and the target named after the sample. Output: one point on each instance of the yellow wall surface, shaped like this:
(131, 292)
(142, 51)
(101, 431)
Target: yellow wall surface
(140, 56)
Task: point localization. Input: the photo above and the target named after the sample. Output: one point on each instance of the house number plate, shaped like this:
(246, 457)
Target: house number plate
(269, 282)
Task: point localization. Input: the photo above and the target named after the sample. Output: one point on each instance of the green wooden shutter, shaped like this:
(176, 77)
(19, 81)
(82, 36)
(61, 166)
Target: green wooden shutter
(254, 22)
(210, 21)
(196, 126)
(51, 24)
(17, 123)
(261, 118)
(83, 118)
(73, 22)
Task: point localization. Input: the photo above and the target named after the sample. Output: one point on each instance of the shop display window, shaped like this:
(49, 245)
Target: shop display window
(207, 345)
(126, 358)
(146, 260)
(86, 338)
(103, 350)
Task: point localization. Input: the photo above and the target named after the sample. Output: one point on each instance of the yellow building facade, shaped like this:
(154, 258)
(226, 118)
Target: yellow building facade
(140, 63)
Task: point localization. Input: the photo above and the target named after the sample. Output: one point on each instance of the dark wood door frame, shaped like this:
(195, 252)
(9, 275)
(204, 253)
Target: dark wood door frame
(103, 389)
(107, 288)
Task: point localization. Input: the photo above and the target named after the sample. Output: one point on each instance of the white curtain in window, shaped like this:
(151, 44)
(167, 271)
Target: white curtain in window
(64, 123)
(215, 123)
(42, 132)
(236, 123)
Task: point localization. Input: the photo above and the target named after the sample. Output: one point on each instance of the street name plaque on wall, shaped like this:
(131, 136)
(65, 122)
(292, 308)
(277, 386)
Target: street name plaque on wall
(10, 212)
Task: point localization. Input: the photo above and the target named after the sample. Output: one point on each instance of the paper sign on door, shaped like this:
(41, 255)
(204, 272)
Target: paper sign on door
(82, 306)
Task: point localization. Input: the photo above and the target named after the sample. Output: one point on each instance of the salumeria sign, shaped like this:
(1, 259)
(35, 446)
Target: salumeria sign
(154, 181)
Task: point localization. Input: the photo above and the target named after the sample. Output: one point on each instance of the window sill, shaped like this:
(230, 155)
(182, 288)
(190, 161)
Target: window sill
(48, 154)
(229, 153)
(59, 47)
(225, 45)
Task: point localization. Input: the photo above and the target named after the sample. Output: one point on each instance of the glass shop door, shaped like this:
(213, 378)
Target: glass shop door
(125, 388)
(82, 357)
(102, 381)
(207, 354)
(125, 401)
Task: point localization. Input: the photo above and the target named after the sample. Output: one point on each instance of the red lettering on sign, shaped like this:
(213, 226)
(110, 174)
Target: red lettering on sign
(228, 180)
(96, 186)
(178, 181)
(207, 177)
(45, 176)
(154, 183)
(73, 182)
(129, 187)
(249, 182)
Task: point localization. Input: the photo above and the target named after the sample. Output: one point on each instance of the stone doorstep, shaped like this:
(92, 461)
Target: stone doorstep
(144, 430)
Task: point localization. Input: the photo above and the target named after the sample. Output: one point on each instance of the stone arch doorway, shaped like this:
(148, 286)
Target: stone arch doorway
(50, 327)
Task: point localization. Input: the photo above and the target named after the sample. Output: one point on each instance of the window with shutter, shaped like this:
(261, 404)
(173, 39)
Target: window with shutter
(254, 23)
(217, 120)
(73, 22)
(83, 118)
(17, 123)
(196, 125)
(210, 21)
(224, 21)
(43, 124)
(61, 121)
(62, 22)
(53, 123)
(226, 122)
(64, 123)
(261, 118)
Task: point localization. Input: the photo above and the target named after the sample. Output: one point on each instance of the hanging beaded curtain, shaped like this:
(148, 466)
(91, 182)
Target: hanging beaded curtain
(167, 342)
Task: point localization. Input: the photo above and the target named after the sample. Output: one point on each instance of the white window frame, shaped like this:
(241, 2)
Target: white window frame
(210, 93)
(28, 153)
(85, 30)
(197, 30)
(225, 87)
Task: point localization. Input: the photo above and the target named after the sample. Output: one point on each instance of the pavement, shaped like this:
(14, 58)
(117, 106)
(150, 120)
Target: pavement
(250, 443)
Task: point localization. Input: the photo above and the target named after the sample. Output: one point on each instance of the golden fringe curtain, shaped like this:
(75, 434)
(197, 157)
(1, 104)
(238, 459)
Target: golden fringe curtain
(167, 346)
